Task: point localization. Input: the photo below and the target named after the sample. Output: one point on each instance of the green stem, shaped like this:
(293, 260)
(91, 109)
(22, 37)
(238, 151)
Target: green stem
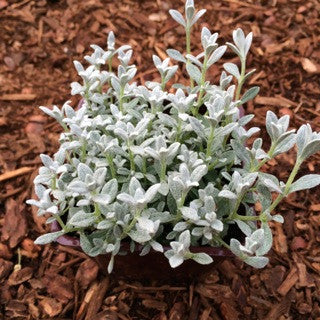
(121, 99)
(163, 84)
(210, 141)
(111, 165)
(132, 224)
(203, 80)
(97, 211)
(178, 129)
(241, 79)
(264, 161)
(163, 170)
(188, 48)
(287, 187)
(180, 205)
(131, 157)
(61, 223)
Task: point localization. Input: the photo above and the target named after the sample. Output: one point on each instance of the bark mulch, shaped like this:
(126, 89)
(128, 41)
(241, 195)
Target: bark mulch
(38, 41)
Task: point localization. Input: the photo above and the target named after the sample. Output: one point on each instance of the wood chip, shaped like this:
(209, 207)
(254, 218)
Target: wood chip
(289, 282)
(275, 101)
(18, 97)
(15, 173)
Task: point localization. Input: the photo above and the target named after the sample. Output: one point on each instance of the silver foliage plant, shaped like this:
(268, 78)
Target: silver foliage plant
(142, 165)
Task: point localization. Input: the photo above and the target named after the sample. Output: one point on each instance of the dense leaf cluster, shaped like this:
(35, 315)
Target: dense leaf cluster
(142, 164)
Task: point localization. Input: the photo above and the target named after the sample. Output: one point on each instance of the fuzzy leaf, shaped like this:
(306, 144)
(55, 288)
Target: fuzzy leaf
(306, 182)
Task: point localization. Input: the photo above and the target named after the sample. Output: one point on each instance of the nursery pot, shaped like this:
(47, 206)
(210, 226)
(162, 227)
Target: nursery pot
(154, 265)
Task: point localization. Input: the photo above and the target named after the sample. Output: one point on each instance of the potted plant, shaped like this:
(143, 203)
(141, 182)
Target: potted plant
(165, 168)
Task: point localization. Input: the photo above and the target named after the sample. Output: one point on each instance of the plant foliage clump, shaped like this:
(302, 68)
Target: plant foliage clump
(141, 163)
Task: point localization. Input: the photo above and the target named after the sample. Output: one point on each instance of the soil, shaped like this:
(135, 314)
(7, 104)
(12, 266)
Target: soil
(38, 42)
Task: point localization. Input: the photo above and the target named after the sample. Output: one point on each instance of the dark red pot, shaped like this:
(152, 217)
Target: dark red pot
(154, 265)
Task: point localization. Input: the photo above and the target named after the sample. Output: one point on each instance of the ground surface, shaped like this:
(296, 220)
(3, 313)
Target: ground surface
(38, 41)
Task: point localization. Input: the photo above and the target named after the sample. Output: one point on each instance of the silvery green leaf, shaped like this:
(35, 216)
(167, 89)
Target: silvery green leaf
(285, 144)
(235, 247)
(271, 118)
(228, 194)
(111, 41)
(194, 60)
(190, 12)
(76, 88)
(271, 185)
(156, 246)
(223, 131)
(310, 149)
(198, 173)
(156, 60)
(249, 74)
(78, 66)
(240, 150)
(124, 197)
(202, 258)
(176, 55)
(216, 55)
(111, 264)
(134, 185)
(250, 94)
(49, 237)
(82, 219)
(85, 243)
(78, 186)
(176, 188)
(164, 188)
(151, 192)
(177, 16)
(175, 261)
(257, 262)
(105, 224)
(267, 240)
(111, 189)
(170, 73)
(248, 42)
(197, 126)
(232, 69)
(278, 218)
(180, 226)
(234, 48)
(306, 182)
(239, 40)
(184, 238)
(139, 236)
(194, 72)
(189, 213)
(103, 199)
(244, 227)
(197, 16)
(83, 171)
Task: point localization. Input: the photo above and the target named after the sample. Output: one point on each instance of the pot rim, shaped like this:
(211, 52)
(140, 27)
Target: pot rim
(71, 241)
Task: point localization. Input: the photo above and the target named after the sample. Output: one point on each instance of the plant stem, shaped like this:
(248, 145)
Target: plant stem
(264, 161)
(131, 157)
(287, 187)
(121, 99)
(111, 165)
(203, 80)
(188, 48)
(97, 212)
(241, 79)
(209, 143)
(132, 224)
(163, 170)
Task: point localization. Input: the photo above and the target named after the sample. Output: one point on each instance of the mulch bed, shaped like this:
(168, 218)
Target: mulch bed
(38, 41)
